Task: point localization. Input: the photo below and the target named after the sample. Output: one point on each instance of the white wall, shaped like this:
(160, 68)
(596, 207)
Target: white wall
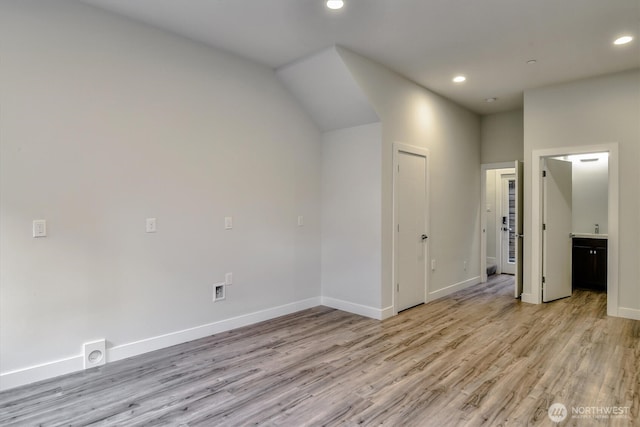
(351, 223)
(502, 137)
(412, 115)
(587, 112)
(590, 196)
(106, 122)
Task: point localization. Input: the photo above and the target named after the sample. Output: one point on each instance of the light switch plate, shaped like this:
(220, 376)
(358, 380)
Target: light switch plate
(228, 279)
(300, 221)
(39, 228)
(228, 223)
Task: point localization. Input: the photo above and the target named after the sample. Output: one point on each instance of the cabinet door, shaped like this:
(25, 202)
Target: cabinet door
(581, 265)
(600, 273)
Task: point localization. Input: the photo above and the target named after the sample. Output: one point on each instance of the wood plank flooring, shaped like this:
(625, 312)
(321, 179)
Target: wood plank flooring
(476, 358)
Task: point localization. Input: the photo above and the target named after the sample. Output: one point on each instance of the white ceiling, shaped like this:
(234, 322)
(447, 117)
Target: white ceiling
(428, 41)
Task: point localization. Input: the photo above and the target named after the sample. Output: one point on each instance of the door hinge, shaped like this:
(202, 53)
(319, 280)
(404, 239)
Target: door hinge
(544, 227)
(398, 168)
(398, 287)
(544, 174)
(544, 280)
(398, 228)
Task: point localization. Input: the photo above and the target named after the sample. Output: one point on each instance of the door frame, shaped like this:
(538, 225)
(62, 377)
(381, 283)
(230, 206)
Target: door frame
(483, 212)
(418, 151)
(536, 219)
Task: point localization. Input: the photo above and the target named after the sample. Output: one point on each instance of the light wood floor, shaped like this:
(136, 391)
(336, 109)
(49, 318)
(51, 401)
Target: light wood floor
(477, 357)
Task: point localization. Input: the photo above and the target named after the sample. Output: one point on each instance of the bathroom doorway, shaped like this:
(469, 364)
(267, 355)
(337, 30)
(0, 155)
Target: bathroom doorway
(543, 262)
(574, 216)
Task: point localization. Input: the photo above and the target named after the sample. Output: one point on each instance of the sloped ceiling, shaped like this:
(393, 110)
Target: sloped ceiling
(324, 86)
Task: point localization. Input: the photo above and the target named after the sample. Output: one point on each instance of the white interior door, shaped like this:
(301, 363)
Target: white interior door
(519, 227)
(411, 215)
(508, 224)
(556, 229)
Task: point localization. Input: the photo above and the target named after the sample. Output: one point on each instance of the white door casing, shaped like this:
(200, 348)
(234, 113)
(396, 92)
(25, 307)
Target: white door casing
(410, 226)
(556, 230)
(519, 228)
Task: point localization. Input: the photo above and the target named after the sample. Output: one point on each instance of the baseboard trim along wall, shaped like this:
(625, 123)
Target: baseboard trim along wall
(71, 364)
(453, 288)
(530, 298)
(362, 310)
(629, 313)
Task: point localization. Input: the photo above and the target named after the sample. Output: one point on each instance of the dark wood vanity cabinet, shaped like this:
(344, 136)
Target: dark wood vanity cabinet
(589, 263)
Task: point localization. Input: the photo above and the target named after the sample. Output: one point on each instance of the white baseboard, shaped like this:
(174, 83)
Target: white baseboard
(529, 298)
(362, 310)
(453, 288)
(629, 313)
(40, 372)
(385, 313)
(48, 370)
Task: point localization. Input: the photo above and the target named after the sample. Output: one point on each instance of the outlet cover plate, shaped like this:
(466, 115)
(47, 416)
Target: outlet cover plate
(94, 353)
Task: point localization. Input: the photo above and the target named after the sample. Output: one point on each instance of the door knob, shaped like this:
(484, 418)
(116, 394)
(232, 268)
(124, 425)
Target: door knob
(424, 237)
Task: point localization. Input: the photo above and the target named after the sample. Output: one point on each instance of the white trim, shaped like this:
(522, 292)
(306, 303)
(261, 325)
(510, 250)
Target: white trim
(386, 312)
(530, 298)
(47, 370)
(419, 151)
(536, 220)
(629, 313)
(40, 372)
(454, 288)
(352, 307)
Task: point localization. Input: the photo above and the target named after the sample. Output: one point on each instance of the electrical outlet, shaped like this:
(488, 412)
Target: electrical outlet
(151, 225)
(433, 265)
(228, 279)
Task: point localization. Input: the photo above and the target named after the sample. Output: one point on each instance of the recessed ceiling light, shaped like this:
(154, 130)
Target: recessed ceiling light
(492, 99)
(459, 79)
(335, 4)
(623, 40)
(531, 61)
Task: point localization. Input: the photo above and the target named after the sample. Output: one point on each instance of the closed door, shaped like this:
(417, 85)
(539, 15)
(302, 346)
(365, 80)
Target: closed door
(411, 214)
(556, 234)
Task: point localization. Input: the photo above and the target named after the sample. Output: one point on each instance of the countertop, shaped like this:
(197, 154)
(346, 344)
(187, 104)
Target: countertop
(590, 236)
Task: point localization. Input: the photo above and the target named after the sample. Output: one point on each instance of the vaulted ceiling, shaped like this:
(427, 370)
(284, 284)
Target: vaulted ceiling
(427, 41)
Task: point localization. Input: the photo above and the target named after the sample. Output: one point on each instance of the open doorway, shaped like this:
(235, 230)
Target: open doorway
(574, 224)
(501, 219)
(540, 267)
